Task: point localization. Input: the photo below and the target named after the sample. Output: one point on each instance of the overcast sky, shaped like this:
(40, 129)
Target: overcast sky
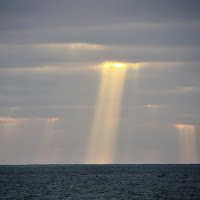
(49, 79)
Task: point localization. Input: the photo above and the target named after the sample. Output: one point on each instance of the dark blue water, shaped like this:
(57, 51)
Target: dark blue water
(100, 182)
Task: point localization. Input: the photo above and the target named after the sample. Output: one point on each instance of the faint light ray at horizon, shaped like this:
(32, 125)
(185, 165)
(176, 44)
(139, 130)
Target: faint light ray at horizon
(9, 126)
(187, 143)
(47, 152)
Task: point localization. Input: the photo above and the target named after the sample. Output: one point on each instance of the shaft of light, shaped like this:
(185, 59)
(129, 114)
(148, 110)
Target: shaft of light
(187, 143)
(103, 133)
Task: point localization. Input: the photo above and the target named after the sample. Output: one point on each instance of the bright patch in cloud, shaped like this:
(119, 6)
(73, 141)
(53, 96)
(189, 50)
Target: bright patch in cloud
(72, 46)
(153, 107)
(110, 64)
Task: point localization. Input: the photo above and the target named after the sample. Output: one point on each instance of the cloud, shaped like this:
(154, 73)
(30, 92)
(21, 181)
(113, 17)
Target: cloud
(84, 13)
(86, 55)
(95, 32)
(186, 89)
(169, 34)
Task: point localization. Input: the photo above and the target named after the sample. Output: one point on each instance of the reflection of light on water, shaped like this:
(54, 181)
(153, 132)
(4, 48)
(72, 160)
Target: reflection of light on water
(187, 143)
(103, 133)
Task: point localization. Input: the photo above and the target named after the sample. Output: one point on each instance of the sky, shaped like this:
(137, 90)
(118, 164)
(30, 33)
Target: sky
(53, 56)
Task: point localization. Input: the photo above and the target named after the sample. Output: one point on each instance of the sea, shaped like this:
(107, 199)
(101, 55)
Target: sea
(100, 182)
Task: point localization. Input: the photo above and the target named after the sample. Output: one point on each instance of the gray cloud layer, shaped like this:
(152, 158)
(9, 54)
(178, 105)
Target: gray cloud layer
(87, 12)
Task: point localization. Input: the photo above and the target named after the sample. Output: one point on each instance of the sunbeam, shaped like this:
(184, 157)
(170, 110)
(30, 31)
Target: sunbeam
(187, 143)
(47, 151)
(103, 133)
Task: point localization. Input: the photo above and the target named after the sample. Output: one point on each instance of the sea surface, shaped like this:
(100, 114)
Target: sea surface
(100, 182)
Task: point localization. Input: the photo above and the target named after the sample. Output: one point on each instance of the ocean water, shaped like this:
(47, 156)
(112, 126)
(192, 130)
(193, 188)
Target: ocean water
(100, 182)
